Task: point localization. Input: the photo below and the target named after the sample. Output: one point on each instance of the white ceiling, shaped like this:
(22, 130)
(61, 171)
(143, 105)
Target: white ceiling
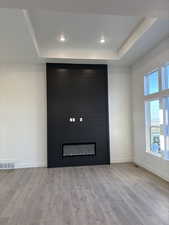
(118, 7)
(83, 33)
(32, 36)
(158, 32)
(15, 41)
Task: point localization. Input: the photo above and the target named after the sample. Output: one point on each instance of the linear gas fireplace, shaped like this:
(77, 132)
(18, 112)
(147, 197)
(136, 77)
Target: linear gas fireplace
(77, 107)
(79, 149)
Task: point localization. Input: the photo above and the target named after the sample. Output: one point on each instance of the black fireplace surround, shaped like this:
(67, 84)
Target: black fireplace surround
(77, 115)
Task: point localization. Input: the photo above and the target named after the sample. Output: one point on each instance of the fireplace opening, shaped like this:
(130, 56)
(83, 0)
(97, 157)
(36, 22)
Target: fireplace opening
(77, 149)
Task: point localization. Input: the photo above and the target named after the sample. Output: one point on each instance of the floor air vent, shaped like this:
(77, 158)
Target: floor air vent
(7, 166)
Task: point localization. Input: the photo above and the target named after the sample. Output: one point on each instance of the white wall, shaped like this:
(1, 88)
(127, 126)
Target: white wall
(23, 132)
(153, 59)
(120, 114)
(23, 114)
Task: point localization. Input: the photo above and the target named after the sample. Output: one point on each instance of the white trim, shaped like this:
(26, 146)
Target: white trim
(157, 95)
(19, 165)
(30, 165)
(121, 159)
(164, 176)
(136, 35)
(152, 71)
(31, 31)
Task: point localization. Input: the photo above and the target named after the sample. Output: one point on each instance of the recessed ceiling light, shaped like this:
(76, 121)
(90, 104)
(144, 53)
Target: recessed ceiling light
(102, 40)
(62, 38)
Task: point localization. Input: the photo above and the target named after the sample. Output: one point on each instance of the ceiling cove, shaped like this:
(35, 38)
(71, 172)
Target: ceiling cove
(44, 50)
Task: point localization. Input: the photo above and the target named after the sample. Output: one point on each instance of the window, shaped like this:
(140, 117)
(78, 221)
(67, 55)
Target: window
(151, 83)
(165, 77)
(156, 92)
(153, 126)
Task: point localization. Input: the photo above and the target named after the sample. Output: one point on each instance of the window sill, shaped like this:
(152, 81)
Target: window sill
(154, 154)
(158, 155)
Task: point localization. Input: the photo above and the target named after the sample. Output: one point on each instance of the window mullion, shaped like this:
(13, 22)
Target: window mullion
(148, 126)
(160, 80)
(162, 124)
(165, 121)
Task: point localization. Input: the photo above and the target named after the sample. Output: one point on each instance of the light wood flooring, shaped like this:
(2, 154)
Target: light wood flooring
(121, 194)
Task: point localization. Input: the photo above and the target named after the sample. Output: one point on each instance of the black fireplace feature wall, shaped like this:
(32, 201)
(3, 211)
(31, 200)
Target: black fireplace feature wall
(77, 115)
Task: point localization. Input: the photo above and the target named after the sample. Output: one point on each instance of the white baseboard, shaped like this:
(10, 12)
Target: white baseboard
(153, 170)
(19, 165)
(122, 159)
(30, 165)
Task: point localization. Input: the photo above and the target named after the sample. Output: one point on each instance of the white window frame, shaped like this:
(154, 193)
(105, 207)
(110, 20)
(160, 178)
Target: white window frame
(161, 94)
(166, 81)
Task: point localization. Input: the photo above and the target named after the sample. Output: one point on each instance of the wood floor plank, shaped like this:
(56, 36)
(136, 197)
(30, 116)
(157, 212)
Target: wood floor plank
(120, 194)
